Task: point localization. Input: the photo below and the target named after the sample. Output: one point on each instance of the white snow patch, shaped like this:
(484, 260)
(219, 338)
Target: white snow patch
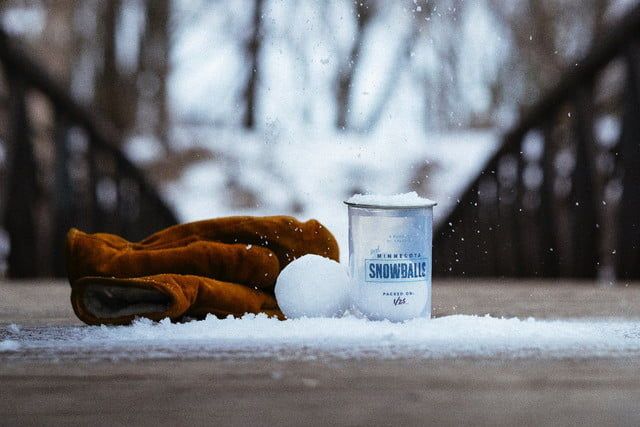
(406, 200)
(9, 345)
(24, 21)
(308, 174)
(348, 337)
(608, 129)
(143, 149)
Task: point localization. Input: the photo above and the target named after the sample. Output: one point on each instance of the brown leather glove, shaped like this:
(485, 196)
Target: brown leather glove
(108, 300)
(202, 264)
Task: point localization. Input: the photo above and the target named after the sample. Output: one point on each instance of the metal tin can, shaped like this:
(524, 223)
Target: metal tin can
(390, 259)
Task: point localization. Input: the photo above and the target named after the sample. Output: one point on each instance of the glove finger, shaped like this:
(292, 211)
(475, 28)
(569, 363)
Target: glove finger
(103, 300)
(112, 301)
(118, 242)
(285, 235)
(253, 266)
(224, 298)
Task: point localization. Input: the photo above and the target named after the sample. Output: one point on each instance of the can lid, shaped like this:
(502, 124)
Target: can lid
(397, 201)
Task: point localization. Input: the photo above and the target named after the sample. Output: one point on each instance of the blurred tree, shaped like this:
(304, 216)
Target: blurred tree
(364, 12)
(546, 35)
(401, 58)
(135, 99)
(153, 71)
(253, 56)
(115, 92)
(59, 52)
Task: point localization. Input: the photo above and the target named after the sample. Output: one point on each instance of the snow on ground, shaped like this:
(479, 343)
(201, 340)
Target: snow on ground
(348, 337)
(309, 174)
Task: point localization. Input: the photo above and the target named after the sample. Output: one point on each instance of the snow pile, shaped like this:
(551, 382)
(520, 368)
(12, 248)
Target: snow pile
(410, 199)
(348, 337)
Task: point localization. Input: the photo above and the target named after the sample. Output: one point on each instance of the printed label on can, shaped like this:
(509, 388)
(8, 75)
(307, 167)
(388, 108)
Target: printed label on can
(390, 261)
(395, 271)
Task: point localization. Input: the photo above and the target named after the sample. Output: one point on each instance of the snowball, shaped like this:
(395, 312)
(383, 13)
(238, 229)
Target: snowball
(396, 200)
(313, 286)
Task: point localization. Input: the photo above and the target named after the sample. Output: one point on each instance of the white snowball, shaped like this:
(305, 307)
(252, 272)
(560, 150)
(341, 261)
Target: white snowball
(313, 286)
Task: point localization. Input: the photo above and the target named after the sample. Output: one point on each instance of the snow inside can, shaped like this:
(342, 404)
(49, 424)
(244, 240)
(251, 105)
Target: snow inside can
(390, 246)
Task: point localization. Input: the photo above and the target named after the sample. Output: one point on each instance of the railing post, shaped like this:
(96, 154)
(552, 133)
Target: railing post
(548, 244)
(20, 205)
(508, 170)
(488, 217)
(97, 218)
(518, 214)
(629, 231)
(583, 204)
(62, 197)
(474, 261)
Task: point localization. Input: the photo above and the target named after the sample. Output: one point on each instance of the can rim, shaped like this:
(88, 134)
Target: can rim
(429, 204)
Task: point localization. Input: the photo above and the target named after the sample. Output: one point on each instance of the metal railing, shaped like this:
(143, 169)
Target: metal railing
(561, 196)
(74, 175)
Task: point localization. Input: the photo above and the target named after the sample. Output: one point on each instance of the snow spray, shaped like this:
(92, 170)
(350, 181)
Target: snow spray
(390, 255)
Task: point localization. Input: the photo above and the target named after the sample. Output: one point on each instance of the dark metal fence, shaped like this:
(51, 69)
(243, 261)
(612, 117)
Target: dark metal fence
(561, 196)
(70, 173)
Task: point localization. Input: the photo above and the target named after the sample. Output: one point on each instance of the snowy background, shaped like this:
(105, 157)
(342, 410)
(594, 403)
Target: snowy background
(289, 107)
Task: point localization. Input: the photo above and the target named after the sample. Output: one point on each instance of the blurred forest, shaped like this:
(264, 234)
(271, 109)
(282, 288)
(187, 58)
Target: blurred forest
(264, 106)
(150, 65)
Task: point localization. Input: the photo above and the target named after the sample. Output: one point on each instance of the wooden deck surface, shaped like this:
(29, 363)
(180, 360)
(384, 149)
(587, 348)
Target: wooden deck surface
(335, 392)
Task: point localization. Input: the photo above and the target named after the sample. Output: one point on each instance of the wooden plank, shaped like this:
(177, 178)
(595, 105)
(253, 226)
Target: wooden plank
(267, 391)
(337, 392)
